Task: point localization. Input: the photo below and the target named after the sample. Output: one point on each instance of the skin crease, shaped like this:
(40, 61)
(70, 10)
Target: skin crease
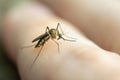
(80, 60)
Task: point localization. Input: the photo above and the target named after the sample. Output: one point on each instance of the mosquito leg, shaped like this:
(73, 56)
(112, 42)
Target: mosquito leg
(47, 29)
(57, 26)
(67, 39)
(57, 45)
(28, 46)
(62, 31)
(36, 56)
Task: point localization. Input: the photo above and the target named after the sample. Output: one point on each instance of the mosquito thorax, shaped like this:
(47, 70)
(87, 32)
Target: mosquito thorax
(53, 33)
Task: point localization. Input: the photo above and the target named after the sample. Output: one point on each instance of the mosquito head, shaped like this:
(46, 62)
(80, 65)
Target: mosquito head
(54, 33)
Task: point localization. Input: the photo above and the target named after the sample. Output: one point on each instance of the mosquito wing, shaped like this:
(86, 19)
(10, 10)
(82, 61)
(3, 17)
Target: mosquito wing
(40, 37)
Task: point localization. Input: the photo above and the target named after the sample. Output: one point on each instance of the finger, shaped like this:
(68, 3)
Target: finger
(99, 20)
(77, 60)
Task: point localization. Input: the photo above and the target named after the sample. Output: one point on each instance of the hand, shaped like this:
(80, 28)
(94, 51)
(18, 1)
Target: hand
(80, 60)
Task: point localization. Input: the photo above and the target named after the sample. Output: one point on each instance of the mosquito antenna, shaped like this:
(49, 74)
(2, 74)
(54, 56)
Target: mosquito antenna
(28, 46)
(36, 56)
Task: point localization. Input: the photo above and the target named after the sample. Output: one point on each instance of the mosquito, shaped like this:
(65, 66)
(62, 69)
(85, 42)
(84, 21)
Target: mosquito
(53, 33)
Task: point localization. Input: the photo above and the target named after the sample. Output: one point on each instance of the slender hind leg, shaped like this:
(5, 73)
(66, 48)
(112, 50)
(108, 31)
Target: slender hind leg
(28, 46)
(37, 56)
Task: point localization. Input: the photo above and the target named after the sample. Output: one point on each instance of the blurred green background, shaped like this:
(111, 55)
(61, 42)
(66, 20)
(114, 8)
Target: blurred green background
(7, 70)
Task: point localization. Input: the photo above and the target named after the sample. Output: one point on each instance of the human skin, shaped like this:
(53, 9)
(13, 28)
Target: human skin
(80, 60)
(98, 19)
